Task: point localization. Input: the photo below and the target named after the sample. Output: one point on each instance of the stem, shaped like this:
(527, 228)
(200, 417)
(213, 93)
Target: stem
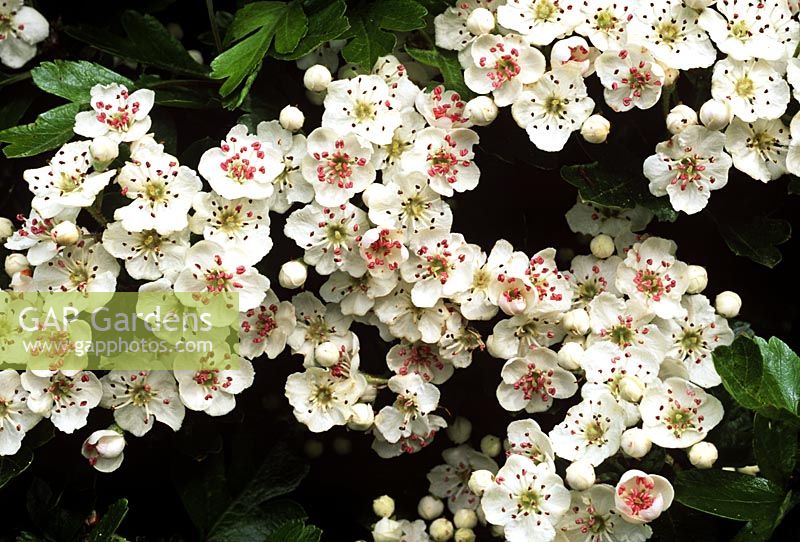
(15, 78)
(95, 209)
(212, 18)
(376, 380)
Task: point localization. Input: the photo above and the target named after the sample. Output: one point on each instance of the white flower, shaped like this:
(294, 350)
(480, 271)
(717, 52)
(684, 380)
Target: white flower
(15, 416)
(408, 414)
(550, 288)
(651, 275)
(540, 21)
(389, 157)
(758, 148)
(531, 382)
(387, 530)
(413, 531)
(591, 430)
(752, 88)
(356, 295)
(104, 449)
(243, 166)
(66, 400)
(792, 156)
(212, 268)
(451, 25)
(316, 324)
(449, 481)
(552, 108)
(411, 444)
(237, 224)
(21, 28)
(83, 267)
(590, 276)
(631, 77)
(35, 235)
(670, 30)
(402, 91)
(419, 358)
(66, 181)
(605, 23)
(746, 30)
(592, 517)
(527, 500)
(384, 251)
(594, 219)
(642, 497)
(676, 413)
(209, 382)
(445, 158)
(289, 186)
(265, 329)
(321, 398)
(147, 254)
(517, 335)
(688, 167)
(443, 108)
(502, 65)
(526, 438)
(627, 324)
(116, 114)
(139, 397)
(408, 321)
(488, 279)
(330, 237)
(361, 106)
(458, 341)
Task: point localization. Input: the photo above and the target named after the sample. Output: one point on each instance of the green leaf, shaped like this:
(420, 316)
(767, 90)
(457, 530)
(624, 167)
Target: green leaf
(616, 189)
(104, 530)
(12, 466)
(775, 448)
(202, 489)
(50, 130)
(73, 80)
(296, 531)
(399, 15)
(729, 494)
(323, 26)
(292, 26)
(369, 42)
(146, 41)
(756, 238)
(447, 63)
(252, 17)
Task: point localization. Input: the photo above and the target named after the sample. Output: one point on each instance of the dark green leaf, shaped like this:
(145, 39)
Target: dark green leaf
(12, 466)
(73, 80)
(323, 26)
(276, 512)
(292, 26)
(729, 494)
(202, 489)
(756, 238)
(447, 63)
(185, 97)
(399, 15)
(296, 531)
(104, 530)
(13, 110)
(252, 17)
(368, 43)
(51, 129)
(775, 448)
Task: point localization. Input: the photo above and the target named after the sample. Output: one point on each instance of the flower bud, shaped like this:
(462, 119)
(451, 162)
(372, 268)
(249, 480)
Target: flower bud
(576, 322)
(680, 118)
(104, 449)
(631, 388)
(317, 78)
(65, 234)
(6, 228)
(387, 530)
(196, 55)
(362, 418)
(460, 430)
(573, 53)
(291, 118)
(481, 110)
(641, 497)
(430, 507)
(480, 22)
(491, 445)
(103, 150)
(728, 304)
(293, 274)
(441, 530)
(369, 394)
(703, 455)
(570, 356)
(512, 306)
(480, 481)
(602, 246)
(464, 534)
(383, 506)
(326, 354)
(635, 443)
(750, 470)
(595, 129)
(464, 518)
(16, 263)
(670, 75)
(580, 475)
(716, 114)
(698, 279)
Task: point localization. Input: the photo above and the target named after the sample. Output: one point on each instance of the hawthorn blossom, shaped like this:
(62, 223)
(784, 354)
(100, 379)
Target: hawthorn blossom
(408, 321)
(746, 30)
(419, 358)
(792, 156)
(66, 400)
(676, 413)
(450, 26)
(21, 28)
(116, 113)
(527, 439)
(459, 340)
(15, 416)
(605, 23)
(443, 108)
(594, 219)
(361, 106)
(552, 108)
(147, 254)
(35, 235)
(266, 328)
(449, 481)
(540, 21)
(139, 397)
(412, 443)
(502, 65)
(641, 497)
(389, 158)
(591, 431)
(631, 77)
(409, 413)
(517, 335)
(687, 167)
(356, 295)
(66, 182)
(322, 398)
(758, 148)
(476, 303)
(590, 276)
(210, 382)
(402, 90)
(384, 251)
(445, 158)
(593, 517)
(551, 289)
(315, 324)
(625, 323)
(530, 382)
(575, 53)
(83, 267)
(753, 88)
(289, 186)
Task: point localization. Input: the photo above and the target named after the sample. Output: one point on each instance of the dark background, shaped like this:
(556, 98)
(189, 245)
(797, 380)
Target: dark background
(521, 198)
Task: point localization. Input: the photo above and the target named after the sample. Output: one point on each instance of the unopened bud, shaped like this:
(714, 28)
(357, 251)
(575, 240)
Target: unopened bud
(293, 274)
(317, 78)
(430, 507)
(631, 388)
(576, 322)
(16, 263)
(362, 418)
(480, 22)
(480, 481)
(464, 534)
(602, 246)
(595, 129)
(580, 475)
(698, 279)
(482, 110)
(6, 228)
(716, 114)
(491, 445)
(680, 118)
(728, 304)
(460, 430)
(464, 518)
(387, 530)
(65, 234)
(570, 356)
(383, 506)
(326, 354)
(703, 455)
(635, 443)
(441, 530)
(291, 118)
(103, 150)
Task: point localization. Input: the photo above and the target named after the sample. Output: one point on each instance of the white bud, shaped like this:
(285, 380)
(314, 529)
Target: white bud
(103, 150)
(387, 530)
(580, 475)
(480, 481)
(698, 279)
(104, 449)
(670, 75)
(464, 518)
(635, 443)
(430, 507)
(369, 394)
(699, 5)
(16, 263)
(65, 234)
(595, 129)
(326, 354)
(728, 304)
(317, 78)
(491, 445)
(6, 228)
(631, 388)
(460, 430)
(383, 506)
(464, 534)
(480, 22)
(293, 274)
(716, 114)
(576, 322)
(291, 118)
(570, 356)
(703, 455)
(196, 55)
(362, 417)
(680, 118)
(602, 246)
(482, 110)
(441, 530)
